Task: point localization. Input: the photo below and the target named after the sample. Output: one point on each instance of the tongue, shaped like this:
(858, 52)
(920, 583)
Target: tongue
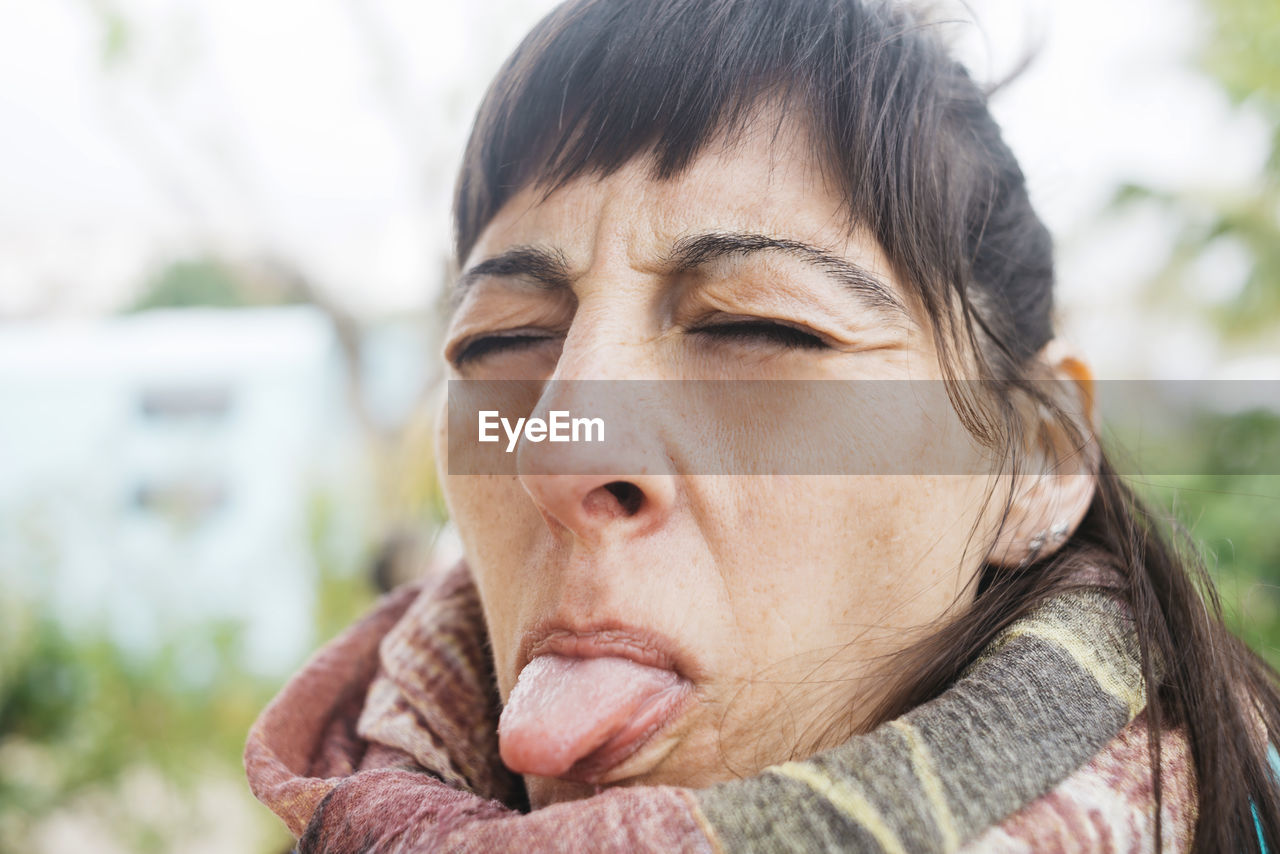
(563, 709)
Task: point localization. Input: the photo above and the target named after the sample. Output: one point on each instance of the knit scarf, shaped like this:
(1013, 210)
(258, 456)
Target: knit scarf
(386, 742)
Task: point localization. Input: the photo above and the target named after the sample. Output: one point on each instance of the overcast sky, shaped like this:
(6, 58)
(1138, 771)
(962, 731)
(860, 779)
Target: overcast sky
(327, 132)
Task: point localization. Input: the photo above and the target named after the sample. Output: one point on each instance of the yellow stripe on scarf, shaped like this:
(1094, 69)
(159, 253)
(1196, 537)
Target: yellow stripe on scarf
(845, 798)
(1104, 672)
(927, 774)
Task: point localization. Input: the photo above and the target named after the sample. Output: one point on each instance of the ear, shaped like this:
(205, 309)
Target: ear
(1047, 504)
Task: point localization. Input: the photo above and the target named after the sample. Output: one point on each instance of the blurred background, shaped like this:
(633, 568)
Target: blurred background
(223, 236)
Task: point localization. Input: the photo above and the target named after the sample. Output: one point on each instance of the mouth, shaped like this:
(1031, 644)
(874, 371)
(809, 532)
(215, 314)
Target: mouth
(587, 701)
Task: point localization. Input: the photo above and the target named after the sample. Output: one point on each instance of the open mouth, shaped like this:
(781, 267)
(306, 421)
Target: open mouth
(654, 714)
(580, 715)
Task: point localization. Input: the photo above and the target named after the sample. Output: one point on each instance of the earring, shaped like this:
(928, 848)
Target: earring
(1059, 533)
(1034, 545)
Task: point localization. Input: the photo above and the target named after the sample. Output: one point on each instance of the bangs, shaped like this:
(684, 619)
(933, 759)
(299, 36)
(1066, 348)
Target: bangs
(898, 128)
(598, 84)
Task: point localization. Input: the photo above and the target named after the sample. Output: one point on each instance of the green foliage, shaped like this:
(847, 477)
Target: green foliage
(1210, 483)
(212, 282)
(1224, 484)
(202, 282)
(77, 714)
(114, 32)
(1242, 54)
(343, 591)
(82, 721)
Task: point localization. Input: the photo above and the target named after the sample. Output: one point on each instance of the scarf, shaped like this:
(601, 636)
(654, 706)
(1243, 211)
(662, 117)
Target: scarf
(386, 741)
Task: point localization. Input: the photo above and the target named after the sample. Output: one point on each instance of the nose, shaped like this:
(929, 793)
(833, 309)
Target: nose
(622, 486)
(591, 507)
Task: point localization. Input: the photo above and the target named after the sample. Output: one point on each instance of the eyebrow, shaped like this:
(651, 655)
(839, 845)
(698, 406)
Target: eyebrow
(550, 269)
(547, 268)
(693, 252)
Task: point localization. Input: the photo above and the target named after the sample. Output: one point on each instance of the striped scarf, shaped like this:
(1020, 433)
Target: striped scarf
(386, 741)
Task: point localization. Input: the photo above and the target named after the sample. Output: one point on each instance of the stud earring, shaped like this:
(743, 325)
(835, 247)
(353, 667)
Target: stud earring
(1034, 545)
(1059, 533)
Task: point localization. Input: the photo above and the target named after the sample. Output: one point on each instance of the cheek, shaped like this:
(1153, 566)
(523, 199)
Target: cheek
(497, 525)
(826, 578)
(914, 537)
(886, 551)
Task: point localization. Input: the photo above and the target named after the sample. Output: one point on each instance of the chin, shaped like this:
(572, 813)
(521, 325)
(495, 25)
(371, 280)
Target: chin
(545, 791)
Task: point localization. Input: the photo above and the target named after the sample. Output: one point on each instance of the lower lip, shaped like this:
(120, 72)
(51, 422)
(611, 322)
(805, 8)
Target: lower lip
(657, 714)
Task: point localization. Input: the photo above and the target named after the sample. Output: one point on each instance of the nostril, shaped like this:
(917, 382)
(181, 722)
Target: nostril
(628, 495)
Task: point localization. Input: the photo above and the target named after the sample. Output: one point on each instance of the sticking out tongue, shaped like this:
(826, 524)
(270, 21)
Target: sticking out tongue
(564, 709)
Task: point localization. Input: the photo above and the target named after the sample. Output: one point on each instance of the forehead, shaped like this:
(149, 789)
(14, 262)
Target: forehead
(762, 179)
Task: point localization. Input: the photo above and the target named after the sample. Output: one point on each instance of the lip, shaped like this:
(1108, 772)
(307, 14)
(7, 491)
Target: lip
(643, 646)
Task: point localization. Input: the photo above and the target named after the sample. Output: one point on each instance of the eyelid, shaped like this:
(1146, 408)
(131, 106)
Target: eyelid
(730, 322)
(456, 353)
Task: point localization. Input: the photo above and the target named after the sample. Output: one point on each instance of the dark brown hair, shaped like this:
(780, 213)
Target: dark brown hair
(906, 135)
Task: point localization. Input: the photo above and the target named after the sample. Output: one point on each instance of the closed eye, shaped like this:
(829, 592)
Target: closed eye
(481, 346)
(758, 331)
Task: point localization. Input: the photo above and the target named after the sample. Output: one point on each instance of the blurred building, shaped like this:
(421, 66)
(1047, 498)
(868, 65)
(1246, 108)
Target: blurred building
(159, 468)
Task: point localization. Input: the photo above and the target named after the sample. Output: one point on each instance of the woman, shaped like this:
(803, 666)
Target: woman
(973, 639)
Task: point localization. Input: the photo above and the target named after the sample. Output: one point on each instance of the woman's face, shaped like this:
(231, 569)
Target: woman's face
(689, 628)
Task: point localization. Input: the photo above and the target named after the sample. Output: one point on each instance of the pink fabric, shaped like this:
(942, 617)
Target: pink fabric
(304, 743)
(340, 754)
(1108, 805)
(386, 742)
